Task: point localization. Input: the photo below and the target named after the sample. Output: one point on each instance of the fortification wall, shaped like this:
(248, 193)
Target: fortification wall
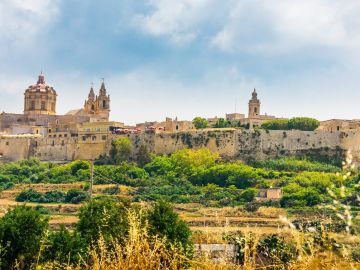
(250, 145)
(12, 149)
(68, 149)
(229, 143)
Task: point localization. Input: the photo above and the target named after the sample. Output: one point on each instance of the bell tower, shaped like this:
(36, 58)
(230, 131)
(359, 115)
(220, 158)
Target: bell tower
(90, 105)
(254, 105)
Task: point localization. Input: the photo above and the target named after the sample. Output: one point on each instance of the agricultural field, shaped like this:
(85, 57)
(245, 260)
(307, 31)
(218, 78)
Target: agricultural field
(214, 198)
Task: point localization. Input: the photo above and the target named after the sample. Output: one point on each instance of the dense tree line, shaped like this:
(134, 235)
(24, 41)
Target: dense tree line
(299, 123)
(187, 176)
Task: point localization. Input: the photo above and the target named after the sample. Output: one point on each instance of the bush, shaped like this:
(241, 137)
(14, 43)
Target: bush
(163, 221)
(76, 196)
(120, 150)
(30, 195)
(252, 206)
(273, 250)
(303, 197)
(64, 246)
(200, 122)
(296, 165)
(103, 217)
(21, 230)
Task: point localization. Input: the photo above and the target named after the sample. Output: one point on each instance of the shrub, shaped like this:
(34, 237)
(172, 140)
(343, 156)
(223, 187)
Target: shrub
(76, 196)
(163, 221)
(200, 122)
(21, 230)
(30, 195)
(64, 246)
(274, 250)
(103, 217)
(120, 150)
(252, 206)
(303, 197)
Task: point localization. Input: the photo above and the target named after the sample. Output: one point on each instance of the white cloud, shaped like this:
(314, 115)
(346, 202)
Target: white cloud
(176, 19)
(256, 24)
(285, 25)
(21, 21)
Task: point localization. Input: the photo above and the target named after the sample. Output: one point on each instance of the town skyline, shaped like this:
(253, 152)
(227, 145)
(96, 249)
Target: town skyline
(189, 58)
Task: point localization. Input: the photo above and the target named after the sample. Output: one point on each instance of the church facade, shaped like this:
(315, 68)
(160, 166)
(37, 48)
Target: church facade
(40, 117)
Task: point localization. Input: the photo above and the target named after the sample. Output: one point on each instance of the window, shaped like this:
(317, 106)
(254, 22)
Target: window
(7, 143)
(338, 128)
(94, 138)
(97, 129)
(84, 138)
(255, 110)
(92, 107)
(62, 143)
(32, 105)
(177, 127)
(104, 103)
(65, 135)
(104, 137)
(43, 106)
(53, 143)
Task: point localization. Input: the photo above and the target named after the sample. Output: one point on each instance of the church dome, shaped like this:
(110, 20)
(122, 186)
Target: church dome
(40, 98)
(41, 86)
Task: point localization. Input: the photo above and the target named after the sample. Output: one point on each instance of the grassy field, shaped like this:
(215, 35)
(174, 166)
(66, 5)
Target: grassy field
(208, 224)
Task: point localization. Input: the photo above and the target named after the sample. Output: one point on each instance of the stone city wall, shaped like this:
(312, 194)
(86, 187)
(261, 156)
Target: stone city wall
(229, 143)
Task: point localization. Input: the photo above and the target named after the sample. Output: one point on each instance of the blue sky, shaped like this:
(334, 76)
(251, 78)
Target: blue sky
(185, 58)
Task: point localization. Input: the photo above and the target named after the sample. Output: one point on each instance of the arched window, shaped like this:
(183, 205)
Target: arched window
(92, 107)
(43, 107)
(104, 103)
(255, 110)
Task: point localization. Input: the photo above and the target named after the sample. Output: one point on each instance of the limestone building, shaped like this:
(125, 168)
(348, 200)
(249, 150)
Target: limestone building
(40, 115)
(254, 117)
(40, 98)
(98, 105)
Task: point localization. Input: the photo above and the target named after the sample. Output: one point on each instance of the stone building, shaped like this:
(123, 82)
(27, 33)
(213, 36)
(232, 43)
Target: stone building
(339, 125)
(40, 116)
(98, 105)
(254, 117)
(40, 98)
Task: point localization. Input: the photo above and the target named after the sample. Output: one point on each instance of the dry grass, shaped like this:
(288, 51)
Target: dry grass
(141, 251)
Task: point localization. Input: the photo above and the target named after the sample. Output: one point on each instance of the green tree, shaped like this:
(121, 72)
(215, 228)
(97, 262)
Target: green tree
(21, 231)
(303, 123)
(277, 124)
(222, 123)
(200, 122)
(163, 221)
(120, 150)
(103, 217)
(143, 156)
(64, 246)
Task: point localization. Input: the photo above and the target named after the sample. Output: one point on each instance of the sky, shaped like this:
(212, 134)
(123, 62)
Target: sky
(185, 58)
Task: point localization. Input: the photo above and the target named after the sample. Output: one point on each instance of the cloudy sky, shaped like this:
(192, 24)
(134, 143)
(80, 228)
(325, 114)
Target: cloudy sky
(185, 58)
